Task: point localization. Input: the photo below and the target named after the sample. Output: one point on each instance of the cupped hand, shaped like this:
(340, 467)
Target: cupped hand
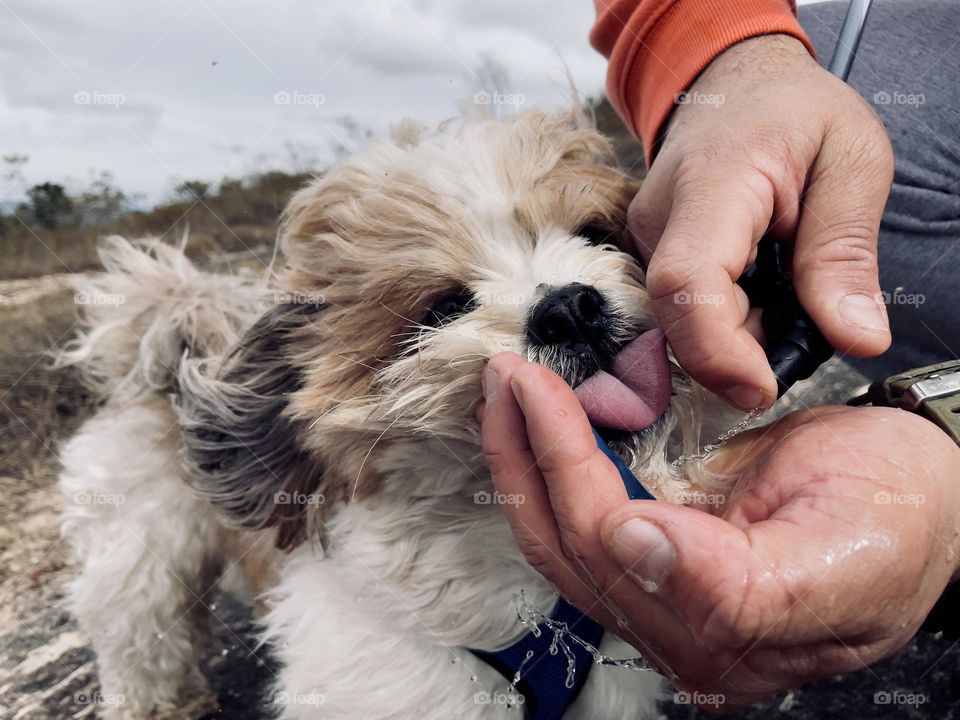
(837, 534)
(765, 141)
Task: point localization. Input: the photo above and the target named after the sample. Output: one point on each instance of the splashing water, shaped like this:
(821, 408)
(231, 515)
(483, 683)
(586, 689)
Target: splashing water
(533, 619)
(720, 441)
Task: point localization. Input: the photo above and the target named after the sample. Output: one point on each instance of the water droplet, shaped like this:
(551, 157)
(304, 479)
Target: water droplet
(721, 440)
(532, 618)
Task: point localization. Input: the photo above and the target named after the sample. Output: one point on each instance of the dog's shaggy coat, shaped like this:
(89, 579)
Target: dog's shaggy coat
(318, 433)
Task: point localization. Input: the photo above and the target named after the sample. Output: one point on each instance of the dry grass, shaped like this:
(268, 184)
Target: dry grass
(238, 217)
(38, 404)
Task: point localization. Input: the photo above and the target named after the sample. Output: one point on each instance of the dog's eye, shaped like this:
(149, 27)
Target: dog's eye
(597, 233)
(450, 307)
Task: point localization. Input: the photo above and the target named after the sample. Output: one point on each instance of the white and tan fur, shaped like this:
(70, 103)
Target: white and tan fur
(311, 433)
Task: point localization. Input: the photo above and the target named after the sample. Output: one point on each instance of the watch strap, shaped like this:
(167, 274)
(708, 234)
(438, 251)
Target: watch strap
(932, 391)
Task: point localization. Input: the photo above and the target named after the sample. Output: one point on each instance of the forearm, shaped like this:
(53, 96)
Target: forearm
(657, 48)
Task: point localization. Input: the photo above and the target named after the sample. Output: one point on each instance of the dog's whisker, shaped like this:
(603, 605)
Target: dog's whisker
(363, 462)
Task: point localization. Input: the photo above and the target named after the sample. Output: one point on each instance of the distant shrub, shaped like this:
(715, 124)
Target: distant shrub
(48, 206)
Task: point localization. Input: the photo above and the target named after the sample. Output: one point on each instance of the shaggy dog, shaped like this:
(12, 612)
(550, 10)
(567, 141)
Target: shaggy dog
(315, 435)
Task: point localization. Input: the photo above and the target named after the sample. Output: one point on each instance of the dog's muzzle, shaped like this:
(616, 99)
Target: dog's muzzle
(574, 330)
(620, 386)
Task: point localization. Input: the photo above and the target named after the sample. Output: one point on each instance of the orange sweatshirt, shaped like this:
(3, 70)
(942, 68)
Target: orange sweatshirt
(657, 48)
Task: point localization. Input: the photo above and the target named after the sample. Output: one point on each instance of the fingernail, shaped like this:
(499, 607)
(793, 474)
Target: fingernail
(745, 397)
(490, 382)
(644, 552)
(864, 311)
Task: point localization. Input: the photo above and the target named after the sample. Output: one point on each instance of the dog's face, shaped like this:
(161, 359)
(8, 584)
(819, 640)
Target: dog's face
(434, 256)
(414, 263)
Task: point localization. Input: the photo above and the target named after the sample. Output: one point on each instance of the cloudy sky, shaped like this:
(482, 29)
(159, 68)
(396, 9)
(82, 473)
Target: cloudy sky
(182, 89)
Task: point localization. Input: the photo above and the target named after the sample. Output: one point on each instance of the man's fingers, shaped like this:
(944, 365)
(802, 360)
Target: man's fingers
(513, 465)
(582, 483)
(519, 481)
(835, 260)
(714, 223)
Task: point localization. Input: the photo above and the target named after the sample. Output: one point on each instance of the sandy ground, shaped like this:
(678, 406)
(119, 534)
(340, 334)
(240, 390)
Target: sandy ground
(46, 668)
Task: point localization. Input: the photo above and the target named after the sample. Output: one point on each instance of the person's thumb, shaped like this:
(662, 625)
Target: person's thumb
(835, 260)
(715, 220)
(724, 583)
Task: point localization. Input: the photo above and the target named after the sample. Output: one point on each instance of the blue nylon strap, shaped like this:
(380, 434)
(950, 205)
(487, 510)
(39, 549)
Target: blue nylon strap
(635, 491)
(543, 682)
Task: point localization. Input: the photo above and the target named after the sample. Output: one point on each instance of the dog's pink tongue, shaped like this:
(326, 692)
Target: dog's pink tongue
(636, 392)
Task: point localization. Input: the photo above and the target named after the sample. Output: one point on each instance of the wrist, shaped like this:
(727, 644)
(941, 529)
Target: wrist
(947, 474)
(656, 58)
(744, 68)
(940, 478)
(764, 53)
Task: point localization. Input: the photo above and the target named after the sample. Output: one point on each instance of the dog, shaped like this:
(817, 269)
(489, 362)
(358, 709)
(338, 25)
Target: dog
(312, 437)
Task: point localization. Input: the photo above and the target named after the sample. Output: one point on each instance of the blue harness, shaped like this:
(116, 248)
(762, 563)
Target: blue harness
(543, 676)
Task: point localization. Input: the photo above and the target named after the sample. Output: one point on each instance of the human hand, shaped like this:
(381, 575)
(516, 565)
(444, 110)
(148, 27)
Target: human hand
(839, 533)
(766, 142)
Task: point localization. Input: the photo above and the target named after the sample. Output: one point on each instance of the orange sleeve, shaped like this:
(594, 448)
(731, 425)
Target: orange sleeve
(657, 48)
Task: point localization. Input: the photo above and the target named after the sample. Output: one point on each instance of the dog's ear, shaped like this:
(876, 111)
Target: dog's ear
(241, 448)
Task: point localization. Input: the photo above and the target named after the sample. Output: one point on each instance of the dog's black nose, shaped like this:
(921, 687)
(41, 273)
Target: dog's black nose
(571, 317)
